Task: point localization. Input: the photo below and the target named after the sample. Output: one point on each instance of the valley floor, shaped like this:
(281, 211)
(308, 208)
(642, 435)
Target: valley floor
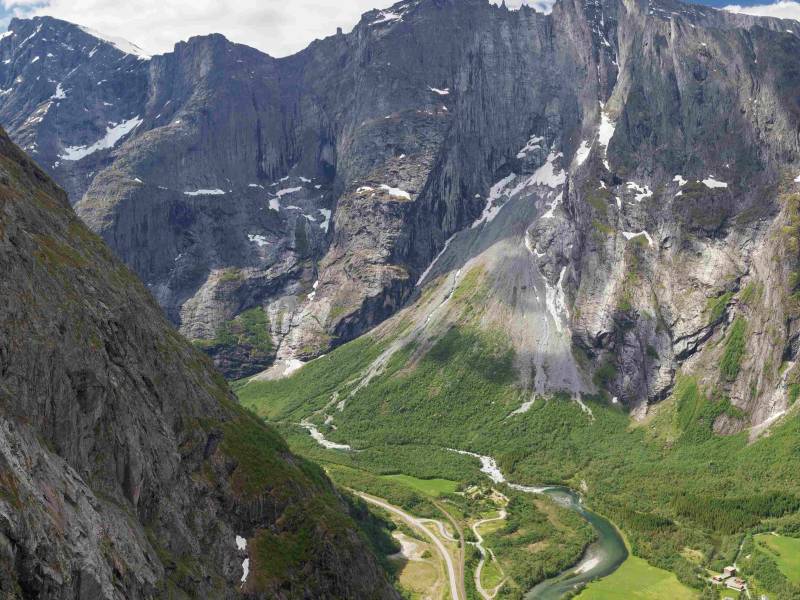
(688, 500)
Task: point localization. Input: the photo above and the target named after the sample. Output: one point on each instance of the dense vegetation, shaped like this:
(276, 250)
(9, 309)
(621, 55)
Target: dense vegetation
(249, 331)
(683, 495)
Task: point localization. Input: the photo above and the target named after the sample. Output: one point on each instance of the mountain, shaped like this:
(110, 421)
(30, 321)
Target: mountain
(308, 195)
(127, 468)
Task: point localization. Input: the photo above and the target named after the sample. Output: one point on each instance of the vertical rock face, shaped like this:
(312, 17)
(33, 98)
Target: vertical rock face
(278, 207)
(127, 469)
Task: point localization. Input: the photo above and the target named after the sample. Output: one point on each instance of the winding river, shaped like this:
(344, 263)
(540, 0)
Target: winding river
(602, 557)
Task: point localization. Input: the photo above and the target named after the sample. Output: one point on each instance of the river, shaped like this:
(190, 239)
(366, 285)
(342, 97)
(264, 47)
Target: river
(602, 557)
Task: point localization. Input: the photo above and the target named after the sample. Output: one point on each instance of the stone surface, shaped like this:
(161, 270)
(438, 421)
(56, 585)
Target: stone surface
(127, 468)
(659, 118)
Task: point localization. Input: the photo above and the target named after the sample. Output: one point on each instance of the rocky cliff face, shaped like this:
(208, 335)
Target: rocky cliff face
(308, 196)
(127, 469)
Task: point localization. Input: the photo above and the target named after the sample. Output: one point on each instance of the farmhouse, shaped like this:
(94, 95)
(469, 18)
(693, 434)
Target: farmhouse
(736, 583)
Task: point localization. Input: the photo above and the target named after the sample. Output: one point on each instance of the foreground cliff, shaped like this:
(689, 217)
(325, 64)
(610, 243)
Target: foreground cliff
(127, 469)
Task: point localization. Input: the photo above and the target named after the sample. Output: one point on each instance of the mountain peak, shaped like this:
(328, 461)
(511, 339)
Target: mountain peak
(45, 25)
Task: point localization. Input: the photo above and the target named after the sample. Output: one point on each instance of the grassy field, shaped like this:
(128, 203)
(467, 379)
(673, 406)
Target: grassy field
(637, 580)
(786, 553)
(429, 487)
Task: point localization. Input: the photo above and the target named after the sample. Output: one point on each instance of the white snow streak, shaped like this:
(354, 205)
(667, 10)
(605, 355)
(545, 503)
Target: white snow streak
(120, 44)
(113, 135)
(533, 144)
(712, 183)
(629, 236)
(396, 192)
(556, 300)
(497, 191)
(320, 439)
(547, 173)
(642, 192)
(327, 222)
(258, 239)
(444, 92)
(287, 191)
(60, 94)
(583, 153)
(435, 260)
(214, 192)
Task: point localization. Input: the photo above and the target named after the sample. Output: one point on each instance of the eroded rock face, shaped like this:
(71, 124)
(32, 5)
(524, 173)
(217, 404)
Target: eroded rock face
(318, 188)
(127, 469)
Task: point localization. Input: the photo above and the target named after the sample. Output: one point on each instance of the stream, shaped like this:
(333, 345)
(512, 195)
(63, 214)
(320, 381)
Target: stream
(602, 557)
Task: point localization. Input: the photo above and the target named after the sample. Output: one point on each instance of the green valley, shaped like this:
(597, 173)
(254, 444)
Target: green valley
(684, 496)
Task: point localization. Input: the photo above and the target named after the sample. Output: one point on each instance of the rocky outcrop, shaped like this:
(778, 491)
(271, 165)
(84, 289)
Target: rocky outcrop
(127, 469)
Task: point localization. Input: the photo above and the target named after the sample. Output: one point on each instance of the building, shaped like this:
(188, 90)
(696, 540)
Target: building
(729, 572)
(736, 583)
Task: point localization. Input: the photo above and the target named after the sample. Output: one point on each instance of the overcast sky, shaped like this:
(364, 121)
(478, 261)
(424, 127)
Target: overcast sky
(278, 27)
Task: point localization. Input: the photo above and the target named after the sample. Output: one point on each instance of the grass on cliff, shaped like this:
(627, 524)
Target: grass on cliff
(249, 330)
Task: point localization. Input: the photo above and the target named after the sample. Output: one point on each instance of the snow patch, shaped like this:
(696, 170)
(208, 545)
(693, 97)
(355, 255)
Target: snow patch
(607, 128)
(797, 179)
(435, 260)
(292, 365)
(311, 297)
(552, 210)
(396, 192)
(444, 92)
(214, 192)
(326, 213)
(120, 44)
(533, 144)
(555, 300)
(642, 192)
(712, 183)
(274, 204)
(679, 180)
(583, 153)
(497, 191)
(241, 543)
(320, 438)
(386, 16)
(287, 191)
(629, 236)
(113, 135)
(547, 174)
(258, 239)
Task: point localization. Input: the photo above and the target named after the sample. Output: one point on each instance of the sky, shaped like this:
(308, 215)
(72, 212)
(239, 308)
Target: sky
(278, 27)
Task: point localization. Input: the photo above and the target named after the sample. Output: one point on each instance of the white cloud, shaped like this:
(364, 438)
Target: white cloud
(278, 27)
(785, 9)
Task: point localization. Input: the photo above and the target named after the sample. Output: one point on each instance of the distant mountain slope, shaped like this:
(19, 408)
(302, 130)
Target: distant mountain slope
(127, 469)
(279, 207)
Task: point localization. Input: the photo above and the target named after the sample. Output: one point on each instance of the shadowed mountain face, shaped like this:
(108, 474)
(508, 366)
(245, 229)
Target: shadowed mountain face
(127, 468)
(277, 208)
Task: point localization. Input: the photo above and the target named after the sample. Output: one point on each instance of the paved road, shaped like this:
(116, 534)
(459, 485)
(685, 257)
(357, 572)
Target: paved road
(419, 525)
(484, 553)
